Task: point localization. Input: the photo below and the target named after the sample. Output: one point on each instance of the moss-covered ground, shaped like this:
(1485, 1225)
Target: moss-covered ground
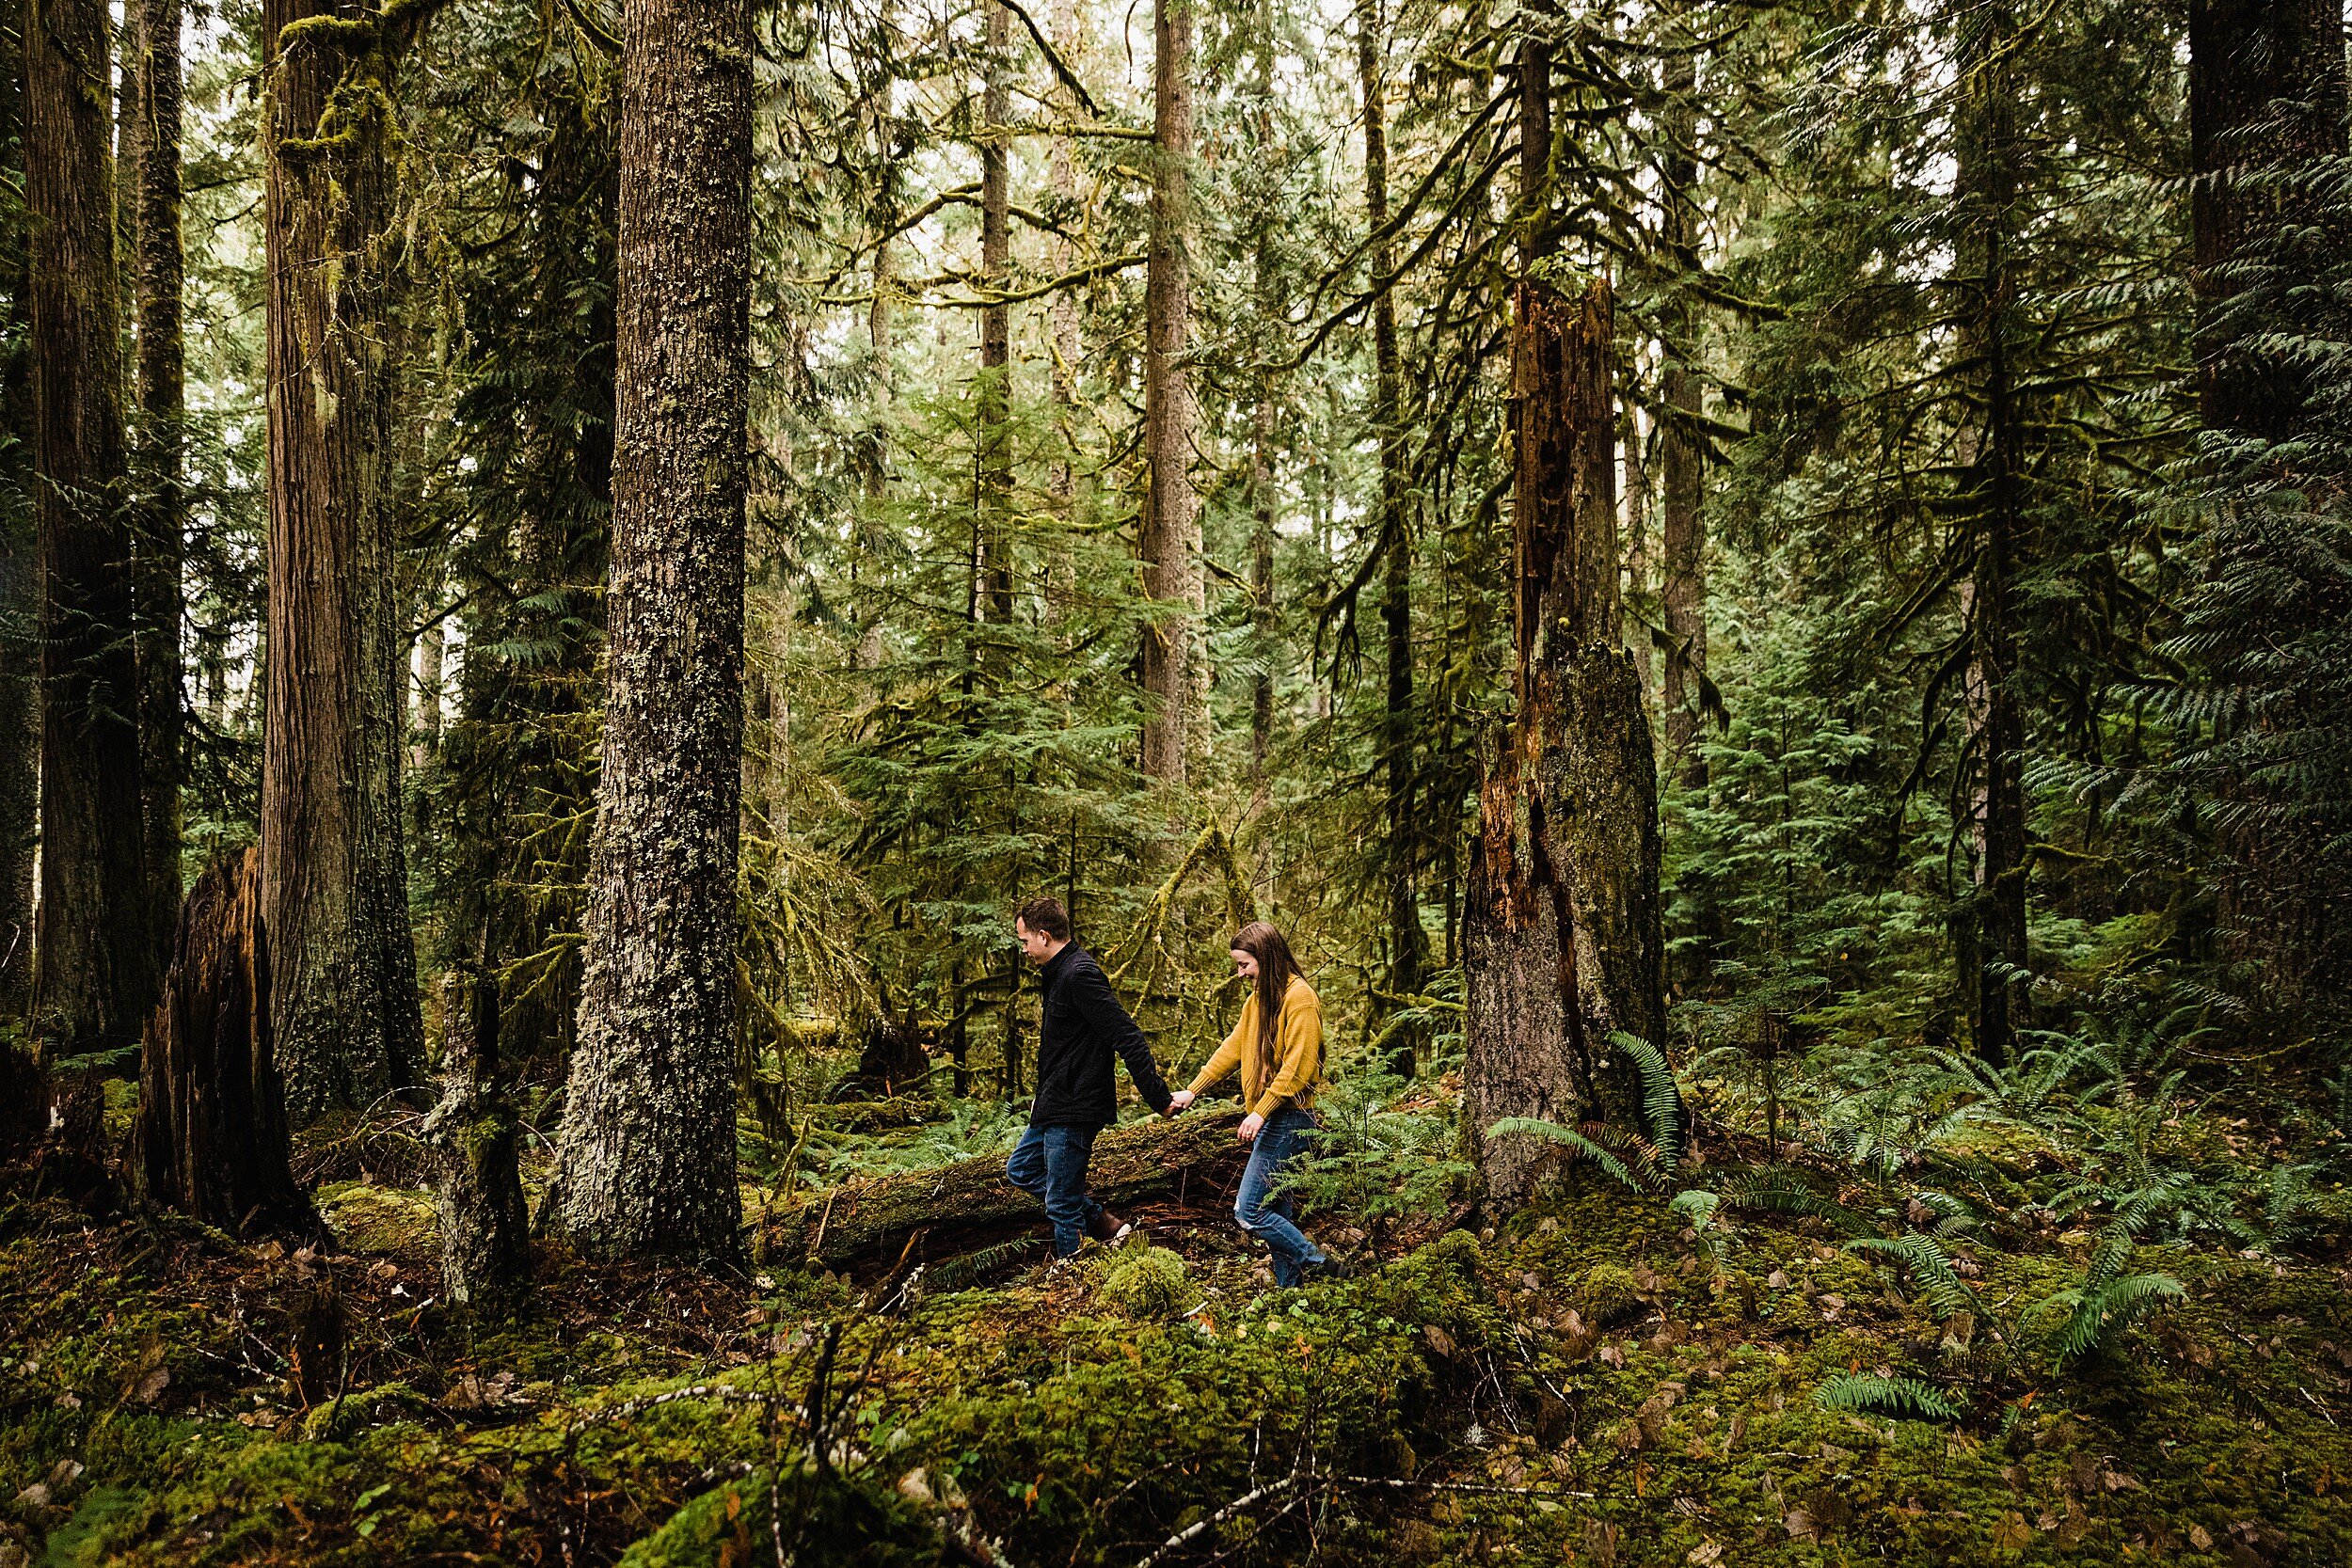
(1596, 1382)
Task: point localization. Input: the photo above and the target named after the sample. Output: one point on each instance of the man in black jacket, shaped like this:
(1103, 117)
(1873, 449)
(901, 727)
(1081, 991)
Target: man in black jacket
(1080, 1024)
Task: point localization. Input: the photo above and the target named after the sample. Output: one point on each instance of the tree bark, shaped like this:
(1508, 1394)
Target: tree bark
(1993, 943)
(95, 970)
(478, 1193)
(20, 562)
(1408, 944)
(2266, 89)
(1170, 537)
(1062, 315)
(343, 987)
(161, 525)
(924, 1216)
(996, 383)
(1681, 454)
(1537, 240)
(1561, 925)
(211, 1139)
(645, 1165)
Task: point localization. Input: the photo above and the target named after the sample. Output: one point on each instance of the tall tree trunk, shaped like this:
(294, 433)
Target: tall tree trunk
(2266, 88)
(1264, 502)
(1062, 315)
(1408, 944)
(645, 1165)
(432, 668)
(95, 959)
(20, 562)
(996, 383)
(1679, 450)
(334, 888)
(1171, 516)
(1994, 948)
(1535, 135)
(1561, 927)
(162, 395)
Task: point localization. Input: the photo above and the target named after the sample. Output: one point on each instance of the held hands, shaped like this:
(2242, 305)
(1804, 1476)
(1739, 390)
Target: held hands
(1248, 1131)
(1182, 1100)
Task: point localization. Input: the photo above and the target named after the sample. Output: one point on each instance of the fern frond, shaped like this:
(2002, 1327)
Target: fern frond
(1779, 1189)
(1569, 1138)
(1929, 1270)
(2097, 1317)
(1904, 1398)
(1662, 1098)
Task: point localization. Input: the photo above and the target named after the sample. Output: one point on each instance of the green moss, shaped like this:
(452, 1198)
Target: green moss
(369, 1218)
(1144, 1282)
(1608, 1294)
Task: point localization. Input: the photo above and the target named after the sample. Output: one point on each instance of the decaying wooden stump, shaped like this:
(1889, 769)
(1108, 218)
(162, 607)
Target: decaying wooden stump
(485, 1226)
(1562, 922)
(929, 1214)
(893, 1061)
(210, 1139)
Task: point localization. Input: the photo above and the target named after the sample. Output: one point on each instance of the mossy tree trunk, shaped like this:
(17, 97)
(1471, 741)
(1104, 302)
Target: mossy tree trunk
(1408, 944)
(1561, 925)
(210, 1140)
(94, 954)
(477, 1190)
(931, 1214)
(346, 1020)
(1992, 948)
(1171, 535)
(646, 1162)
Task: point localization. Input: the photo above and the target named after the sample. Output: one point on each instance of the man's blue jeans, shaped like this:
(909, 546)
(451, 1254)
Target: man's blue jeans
(1284, 1133)
(1050, 1163)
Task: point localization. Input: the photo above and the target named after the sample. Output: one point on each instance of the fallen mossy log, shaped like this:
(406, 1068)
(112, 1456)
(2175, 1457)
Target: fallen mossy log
(924, 1216)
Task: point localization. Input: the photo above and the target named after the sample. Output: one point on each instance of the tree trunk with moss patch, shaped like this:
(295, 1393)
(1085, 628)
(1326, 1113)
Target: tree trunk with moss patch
(1563, 941)
(19, 565)
(647, 1162)
(486, 1228)
(334, 885)
(1169, 538)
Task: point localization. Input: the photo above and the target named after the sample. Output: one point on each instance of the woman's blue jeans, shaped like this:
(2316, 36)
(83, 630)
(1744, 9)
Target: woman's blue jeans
(1050, 1163)
(1284, 1133)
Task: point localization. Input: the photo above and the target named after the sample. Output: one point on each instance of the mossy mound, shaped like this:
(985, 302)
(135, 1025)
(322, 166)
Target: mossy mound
(1144, 1281)
(367, 1217)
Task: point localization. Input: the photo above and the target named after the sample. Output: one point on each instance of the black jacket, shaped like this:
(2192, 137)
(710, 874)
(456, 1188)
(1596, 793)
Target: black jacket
(1080, 1024)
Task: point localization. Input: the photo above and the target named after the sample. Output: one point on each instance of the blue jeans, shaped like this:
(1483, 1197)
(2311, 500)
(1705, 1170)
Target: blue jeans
(1284, 1135)
(1050, 1163)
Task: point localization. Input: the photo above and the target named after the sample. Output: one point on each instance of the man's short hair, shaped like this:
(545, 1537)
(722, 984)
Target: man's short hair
(1046, 914)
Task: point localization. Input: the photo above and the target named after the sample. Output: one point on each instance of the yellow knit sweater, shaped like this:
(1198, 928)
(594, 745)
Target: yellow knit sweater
(1295, 1067)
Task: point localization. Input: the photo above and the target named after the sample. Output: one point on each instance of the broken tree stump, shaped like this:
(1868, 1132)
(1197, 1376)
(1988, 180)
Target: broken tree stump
(1562, 926)
(929, 1214)
(210, 1139)
(475, 1138)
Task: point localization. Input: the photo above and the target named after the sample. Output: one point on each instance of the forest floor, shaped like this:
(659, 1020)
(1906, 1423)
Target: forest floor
(1598, 1382)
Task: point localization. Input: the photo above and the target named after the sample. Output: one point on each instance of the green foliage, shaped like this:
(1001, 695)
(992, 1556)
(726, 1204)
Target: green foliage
(1930, 1270)
(1902, 1396)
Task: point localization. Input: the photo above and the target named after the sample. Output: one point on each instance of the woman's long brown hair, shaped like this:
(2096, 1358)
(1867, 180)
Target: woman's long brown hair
(1275, 970)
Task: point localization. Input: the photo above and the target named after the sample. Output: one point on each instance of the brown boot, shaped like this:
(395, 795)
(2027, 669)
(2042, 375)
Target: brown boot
(1107, 1227)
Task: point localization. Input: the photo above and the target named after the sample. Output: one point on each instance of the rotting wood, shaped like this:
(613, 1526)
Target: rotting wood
(210, 1139)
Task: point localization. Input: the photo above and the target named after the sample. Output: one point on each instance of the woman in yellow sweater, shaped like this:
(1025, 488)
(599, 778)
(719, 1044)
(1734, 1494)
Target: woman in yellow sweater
(1278, 1045)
